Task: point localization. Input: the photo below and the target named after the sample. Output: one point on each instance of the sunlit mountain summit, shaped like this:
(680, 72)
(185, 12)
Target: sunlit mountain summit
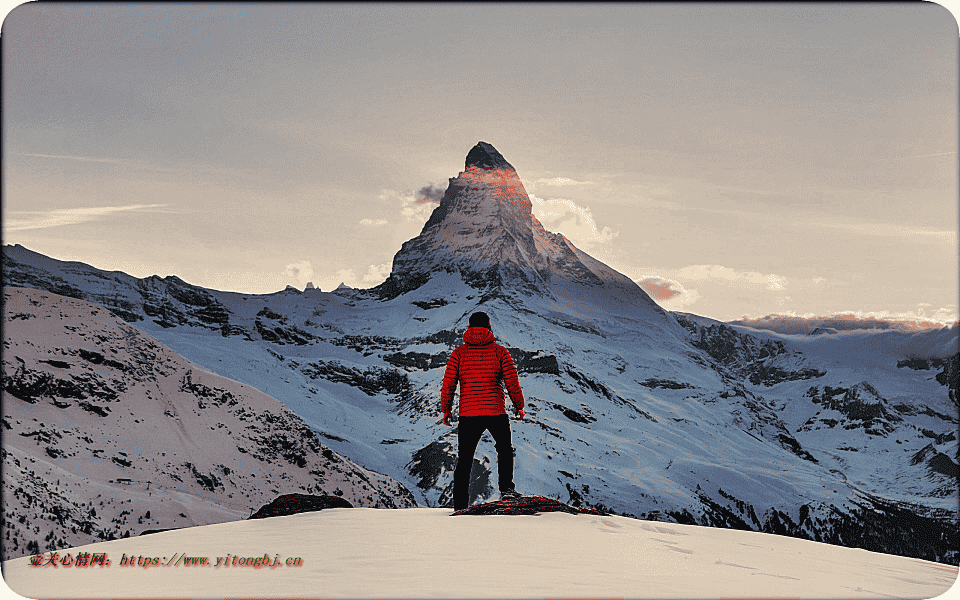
(847, 438)
(484, 229)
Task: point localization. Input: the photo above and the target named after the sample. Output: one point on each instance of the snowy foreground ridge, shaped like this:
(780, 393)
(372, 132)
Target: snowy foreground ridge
(426, 553)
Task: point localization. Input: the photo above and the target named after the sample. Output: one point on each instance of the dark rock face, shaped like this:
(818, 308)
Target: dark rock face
(485, 156)
(534, 362)
(922, 364)
(936, 462)
(417, 360)
(653, 383)
(861, 406)
(370, 381)
(743, 355)
(950, 377)
(428, 462)
(273, 327)
(525, 505)
(434, 303)
(439, 456)
(573, 415)
(32, 385)
(292, 504)
(149, 531)
(941, 463)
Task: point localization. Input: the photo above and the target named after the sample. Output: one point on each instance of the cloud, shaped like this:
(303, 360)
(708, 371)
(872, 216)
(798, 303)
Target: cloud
(917, 233)
(112, 161)
(668, 293)
(559, 181)
(789, 322)
(377, 274)
(720, 286)
(659, 288)
(429, 194)
(727, 293)
(572, 220)
(301, 272)
(410, 208)
(414, 206)
(744, 279)
(67, 216)
(346, 277)
(150, 166)
(926, 155)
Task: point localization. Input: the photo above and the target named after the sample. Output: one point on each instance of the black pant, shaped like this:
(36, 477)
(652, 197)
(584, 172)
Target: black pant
(468, 436)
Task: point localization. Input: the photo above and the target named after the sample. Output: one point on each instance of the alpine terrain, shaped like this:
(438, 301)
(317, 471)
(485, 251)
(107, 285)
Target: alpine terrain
(845, 437)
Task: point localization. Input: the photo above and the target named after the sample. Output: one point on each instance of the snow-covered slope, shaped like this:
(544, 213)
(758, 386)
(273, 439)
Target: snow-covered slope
(107, 433)
(858, 403)
(652, 414)
(425, 553)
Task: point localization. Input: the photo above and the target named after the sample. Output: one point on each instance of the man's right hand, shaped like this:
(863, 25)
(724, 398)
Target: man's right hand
(521, 414)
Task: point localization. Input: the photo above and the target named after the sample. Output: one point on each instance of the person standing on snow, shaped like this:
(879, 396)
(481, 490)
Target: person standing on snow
(482, 367)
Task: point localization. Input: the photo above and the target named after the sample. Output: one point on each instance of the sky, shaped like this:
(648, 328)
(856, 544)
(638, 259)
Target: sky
(589, 556)
(735, 160)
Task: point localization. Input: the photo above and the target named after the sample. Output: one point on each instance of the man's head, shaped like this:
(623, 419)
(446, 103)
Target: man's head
(480, 319)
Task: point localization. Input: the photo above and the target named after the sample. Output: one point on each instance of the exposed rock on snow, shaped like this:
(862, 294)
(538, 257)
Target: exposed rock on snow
(525, 505)
(860, 406)
(292, 504)
(763, 362)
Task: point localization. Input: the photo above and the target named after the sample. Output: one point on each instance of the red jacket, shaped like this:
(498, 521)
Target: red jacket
(482, 368)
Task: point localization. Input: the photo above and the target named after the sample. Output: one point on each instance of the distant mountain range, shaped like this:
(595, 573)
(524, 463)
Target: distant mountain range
(817, 325)
(847, 438)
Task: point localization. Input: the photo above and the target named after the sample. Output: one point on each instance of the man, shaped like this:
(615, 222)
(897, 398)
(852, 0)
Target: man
(482, 367)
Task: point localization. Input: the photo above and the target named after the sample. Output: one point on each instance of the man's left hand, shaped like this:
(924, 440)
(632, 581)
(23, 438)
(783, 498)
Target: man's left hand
(446, 418)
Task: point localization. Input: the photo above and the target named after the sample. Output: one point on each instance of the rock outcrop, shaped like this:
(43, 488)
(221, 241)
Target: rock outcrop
(292, 504)
(525, 505)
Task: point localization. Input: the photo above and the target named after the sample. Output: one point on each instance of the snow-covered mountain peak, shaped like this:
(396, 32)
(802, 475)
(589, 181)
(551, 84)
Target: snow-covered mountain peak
(484, 230)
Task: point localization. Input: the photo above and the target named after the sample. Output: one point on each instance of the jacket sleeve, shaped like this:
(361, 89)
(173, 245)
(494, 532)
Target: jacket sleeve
(449, 386)
(511, 380)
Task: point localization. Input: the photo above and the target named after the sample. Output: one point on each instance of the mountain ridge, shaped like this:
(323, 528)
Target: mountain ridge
(97, 406)
(645, 412)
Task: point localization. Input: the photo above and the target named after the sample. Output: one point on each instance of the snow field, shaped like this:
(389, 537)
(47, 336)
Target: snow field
(425, 553)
